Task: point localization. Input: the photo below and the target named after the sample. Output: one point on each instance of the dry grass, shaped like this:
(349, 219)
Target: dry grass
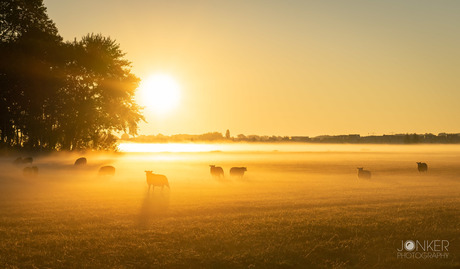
(292, 210)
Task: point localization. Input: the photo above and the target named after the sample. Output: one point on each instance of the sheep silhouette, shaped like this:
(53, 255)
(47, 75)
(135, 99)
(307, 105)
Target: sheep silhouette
(80, 161)
(422, 167)
(217, 171)
(20, 160)
(363, 173)
(107, 170)
(156, 180)
(30, 171)
(238, 171)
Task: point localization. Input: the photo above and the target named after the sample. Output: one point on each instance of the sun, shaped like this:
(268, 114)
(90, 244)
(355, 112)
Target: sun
(159, 93)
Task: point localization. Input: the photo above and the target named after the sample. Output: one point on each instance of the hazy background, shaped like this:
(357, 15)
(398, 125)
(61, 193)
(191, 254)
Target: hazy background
(288, 67)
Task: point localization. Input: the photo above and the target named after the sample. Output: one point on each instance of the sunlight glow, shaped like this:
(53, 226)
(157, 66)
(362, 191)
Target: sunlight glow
(276, 147)
(169, 147)
(159, 93)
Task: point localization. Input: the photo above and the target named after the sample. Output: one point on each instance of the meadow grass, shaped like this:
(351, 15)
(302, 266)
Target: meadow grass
(293, 210)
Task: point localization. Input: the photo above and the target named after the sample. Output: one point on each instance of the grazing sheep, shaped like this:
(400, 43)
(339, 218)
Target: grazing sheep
(27, 160)
(107, 170)
(238, 171)
(21, 160)
(18, 161)
(80, 161)
(422, 167)
(217, 171)
(363, 173)
(30, 171)
(156, 180)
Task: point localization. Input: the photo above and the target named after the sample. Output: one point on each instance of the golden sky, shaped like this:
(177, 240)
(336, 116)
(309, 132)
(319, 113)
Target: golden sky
(288, 67)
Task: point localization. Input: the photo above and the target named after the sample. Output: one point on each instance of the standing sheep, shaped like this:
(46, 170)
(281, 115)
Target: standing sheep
(363, 173)
(30, 171)
(107, 171)
(156, 180)
(217, 171)
(238, 171)
(80, 161)
(422, 167)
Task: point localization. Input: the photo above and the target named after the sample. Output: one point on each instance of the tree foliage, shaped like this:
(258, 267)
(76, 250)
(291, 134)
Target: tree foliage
(60, 95)
(18, 17)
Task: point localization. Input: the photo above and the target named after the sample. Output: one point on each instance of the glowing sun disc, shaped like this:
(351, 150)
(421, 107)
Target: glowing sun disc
(159, 93)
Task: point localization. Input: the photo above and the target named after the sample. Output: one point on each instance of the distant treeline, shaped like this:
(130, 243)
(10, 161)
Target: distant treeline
(442, 138)
(57, 95)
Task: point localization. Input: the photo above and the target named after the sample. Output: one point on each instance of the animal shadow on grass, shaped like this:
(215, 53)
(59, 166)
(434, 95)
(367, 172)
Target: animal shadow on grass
(244, 178)
(154, 204)
(222, 179)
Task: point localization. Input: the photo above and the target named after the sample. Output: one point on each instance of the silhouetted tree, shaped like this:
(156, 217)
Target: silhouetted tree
(99, 95)
(58, 95)
(29, 46)
(411, 139)
(18, 17)
(214, 136)
(227, 134)
(241, 137)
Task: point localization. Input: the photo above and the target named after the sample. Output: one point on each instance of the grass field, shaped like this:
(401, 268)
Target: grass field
(291, 210)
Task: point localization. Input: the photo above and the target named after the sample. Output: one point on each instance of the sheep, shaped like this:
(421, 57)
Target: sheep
(107, 170)
(30, 171)
(27, 160)
(217, 171)
(422, 167)
(156, 180)
(363, 173)
(80, 161)
(238, 171)
(21, 160)
(18, 161)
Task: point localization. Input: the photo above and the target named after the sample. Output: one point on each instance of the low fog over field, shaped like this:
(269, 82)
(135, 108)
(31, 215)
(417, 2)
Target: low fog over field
(293, 208)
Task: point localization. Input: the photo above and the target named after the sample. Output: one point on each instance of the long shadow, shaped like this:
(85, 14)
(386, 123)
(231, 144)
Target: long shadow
(221, 179)
(154, 204)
